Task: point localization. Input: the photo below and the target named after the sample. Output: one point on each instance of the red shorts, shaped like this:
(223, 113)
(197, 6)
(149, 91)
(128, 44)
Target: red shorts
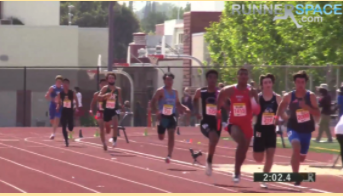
(99, 115)
(79, 113)
(246, 129)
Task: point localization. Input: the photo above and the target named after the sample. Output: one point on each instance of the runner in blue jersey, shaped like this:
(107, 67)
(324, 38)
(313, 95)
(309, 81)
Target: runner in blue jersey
(168, 102)
(303, 107)
(51, 95)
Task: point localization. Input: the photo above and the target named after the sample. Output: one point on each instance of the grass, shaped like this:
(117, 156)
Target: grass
(330, 148)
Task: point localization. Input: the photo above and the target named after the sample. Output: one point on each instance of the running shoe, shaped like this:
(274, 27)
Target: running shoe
(297, 183)
(52, 136)
(208, 169)
(114, 143)
(236, 179)
(167, 159)
(70, 136)
(264, 185)
(67, 143)
(105, 147)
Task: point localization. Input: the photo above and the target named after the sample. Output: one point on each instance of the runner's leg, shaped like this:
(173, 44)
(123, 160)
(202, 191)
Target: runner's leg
(71, 122)
(296, 146)
(242, 147)
(64, 128)
(270, 145)
(258, 146)
(115, 129)
(171, 136)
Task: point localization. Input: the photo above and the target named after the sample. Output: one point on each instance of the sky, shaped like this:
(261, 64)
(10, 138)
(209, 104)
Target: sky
(137, 5)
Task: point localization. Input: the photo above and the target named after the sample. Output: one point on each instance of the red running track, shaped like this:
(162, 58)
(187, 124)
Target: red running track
(32, 163)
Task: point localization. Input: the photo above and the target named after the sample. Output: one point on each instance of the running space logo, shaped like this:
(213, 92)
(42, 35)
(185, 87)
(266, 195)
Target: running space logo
(307, 13)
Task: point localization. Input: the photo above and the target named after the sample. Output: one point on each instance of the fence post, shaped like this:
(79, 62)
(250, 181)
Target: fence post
(168, 69)
(97, 77)
(24, 94)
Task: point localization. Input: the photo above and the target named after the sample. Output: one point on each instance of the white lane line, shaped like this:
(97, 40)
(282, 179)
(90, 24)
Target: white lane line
(89, 169)
(134, 166)
(47, 174)
(11, 185)
(186, 163)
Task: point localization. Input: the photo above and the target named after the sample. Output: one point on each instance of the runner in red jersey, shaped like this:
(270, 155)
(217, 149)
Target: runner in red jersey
(244, 103)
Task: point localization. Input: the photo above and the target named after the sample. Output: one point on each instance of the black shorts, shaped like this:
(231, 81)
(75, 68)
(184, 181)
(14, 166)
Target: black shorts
(109, 114)
(206, 127)
(166, 122)
(263, 139)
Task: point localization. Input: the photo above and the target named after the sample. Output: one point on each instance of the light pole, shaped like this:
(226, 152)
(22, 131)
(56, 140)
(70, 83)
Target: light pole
(70, 15)
(110, 35)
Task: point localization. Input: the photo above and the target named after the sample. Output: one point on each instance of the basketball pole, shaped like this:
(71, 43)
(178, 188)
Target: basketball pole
(110, 35)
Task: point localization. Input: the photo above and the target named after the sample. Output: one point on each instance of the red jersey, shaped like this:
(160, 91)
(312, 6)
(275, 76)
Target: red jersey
(240, 108)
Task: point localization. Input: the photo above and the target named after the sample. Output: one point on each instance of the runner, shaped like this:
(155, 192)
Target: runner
(110, 95)
(168, 101)
(264, 129)
(244, 101)
(99, 113)
(303, 106)
(208, 124)
(65, 103)
(51, 95)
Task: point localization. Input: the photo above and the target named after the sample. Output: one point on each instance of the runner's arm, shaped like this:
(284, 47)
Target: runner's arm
(95, 97)
(283, 105)
(76, 99)
(102, 93)
(154, 99)
(314, 110)
(223, 95)
(196, 100)
(48, 93)
(278, 101)
(178, 103)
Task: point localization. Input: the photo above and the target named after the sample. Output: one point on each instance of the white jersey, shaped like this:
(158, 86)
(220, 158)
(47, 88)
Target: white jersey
(79, 99)
(339, 126)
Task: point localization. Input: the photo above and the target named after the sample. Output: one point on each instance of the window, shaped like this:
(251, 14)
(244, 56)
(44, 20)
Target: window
(180, 39)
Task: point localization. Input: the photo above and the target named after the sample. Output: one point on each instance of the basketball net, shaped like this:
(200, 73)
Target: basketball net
(91, 74)
(153, 60)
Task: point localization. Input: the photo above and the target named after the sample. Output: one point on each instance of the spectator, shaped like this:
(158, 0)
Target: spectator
(187, 101)
(127, 108)
(325, 117)
(78, 114)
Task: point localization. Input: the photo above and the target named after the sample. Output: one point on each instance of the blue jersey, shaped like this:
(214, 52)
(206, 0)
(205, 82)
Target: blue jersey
(167, 104)
(54, 94)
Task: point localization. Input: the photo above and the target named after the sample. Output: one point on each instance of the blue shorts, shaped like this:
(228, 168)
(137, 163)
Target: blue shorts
(303, 138)
(53, 113)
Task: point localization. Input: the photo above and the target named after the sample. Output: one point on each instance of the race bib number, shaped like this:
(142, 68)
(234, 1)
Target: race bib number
(267, 119)
(239, 109)
(167, 110)
(100, 106)
(66, 104)
(110, 104)
(303, 116)
(211, 109)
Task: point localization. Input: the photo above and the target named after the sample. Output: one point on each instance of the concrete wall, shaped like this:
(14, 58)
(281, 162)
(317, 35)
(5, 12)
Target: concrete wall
(39, 46)
(207, 6)
(37, 13)
(92, 42)
(169, 26)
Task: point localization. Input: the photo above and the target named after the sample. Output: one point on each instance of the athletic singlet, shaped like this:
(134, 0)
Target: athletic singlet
(167, 104)
(54, 93)
(112, 102)
(240, 108)
(67, 100)
(100, 104)
(265, 119)
(209, 105)
(300, 120)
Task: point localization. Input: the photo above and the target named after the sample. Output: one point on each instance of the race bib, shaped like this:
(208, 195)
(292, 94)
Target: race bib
(239, 109)
(67, 104)
(167, 110)
(303, 116)
(267, 119)
(100, 106)
(211, 109)
(110, 104)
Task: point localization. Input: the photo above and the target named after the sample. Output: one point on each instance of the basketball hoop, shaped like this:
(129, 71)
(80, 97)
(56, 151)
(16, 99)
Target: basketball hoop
(91, 73)
(154, 58)
(120, 66)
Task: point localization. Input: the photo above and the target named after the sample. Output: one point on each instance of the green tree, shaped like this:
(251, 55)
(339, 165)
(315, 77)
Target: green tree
(153, 18)
(256, 39)
(95, 14)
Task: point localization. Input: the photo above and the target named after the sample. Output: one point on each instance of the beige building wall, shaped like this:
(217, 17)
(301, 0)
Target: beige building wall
(39, 46)
(33, 13)
(199, 51)
(92, 42)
